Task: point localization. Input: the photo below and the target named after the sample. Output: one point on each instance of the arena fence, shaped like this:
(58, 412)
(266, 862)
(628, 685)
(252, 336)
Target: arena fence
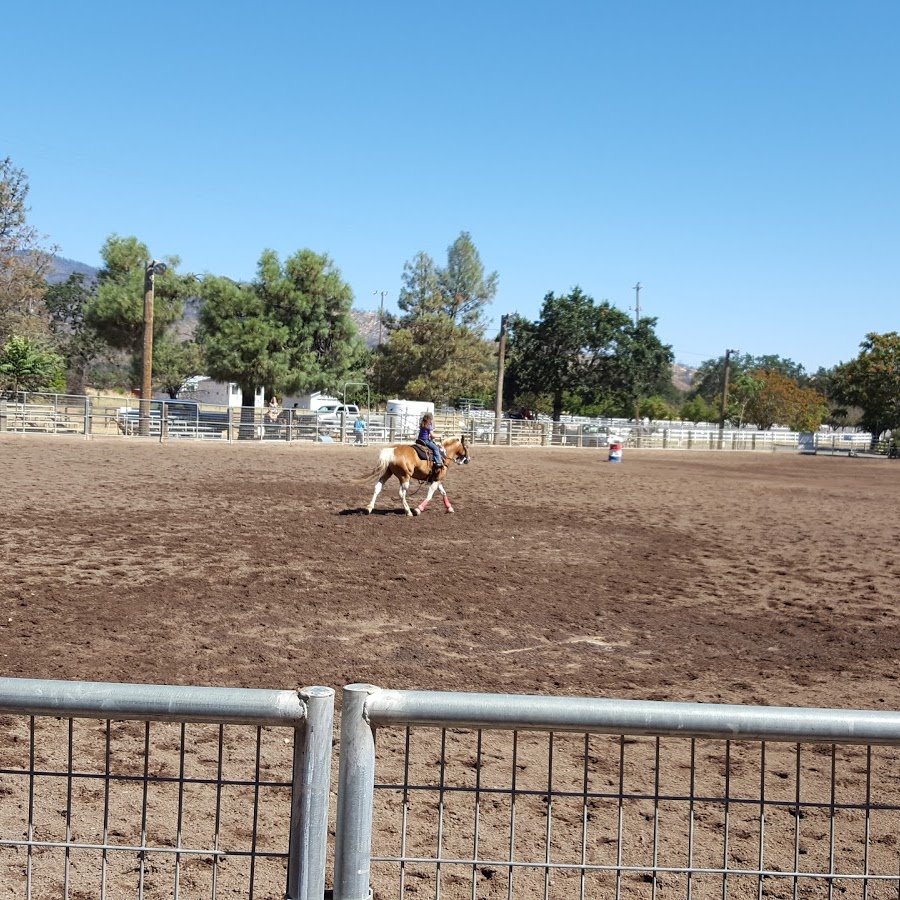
(482, 796)
(107, 417)
(218, 792)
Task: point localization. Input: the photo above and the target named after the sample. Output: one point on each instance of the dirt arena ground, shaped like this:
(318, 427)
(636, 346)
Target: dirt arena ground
(739, 578)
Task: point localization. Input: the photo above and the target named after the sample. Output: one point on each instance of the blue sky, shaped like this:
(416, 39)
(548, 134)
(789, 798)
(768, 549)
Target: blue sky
(738, 159)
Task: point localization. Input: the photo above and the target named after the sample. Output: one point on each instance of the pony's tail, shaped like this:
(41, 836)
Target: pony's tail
(384, 460)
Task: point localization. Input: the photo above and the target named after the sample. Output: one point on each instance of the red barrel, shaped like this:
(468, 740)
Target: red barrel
(615, 453)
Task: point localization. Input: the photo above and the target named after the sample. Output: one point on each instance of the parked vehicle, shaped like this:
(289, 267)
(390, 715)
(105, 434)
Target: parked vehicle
(336, 413)
(402, 417)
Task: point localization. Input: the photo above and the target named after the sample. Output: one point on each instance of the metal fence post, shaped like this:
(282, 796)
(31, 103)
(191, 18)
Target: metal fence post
(3, 414)
(310, 794)
(356, 794)
(87, 417)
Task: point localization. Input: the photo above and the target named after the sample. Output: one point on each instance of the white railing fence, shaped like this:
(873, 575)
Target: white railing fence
(102, 417)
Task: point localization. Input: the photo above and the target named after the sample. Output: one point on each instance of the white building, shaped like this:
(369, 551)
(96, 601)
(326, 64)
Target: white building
(217, 393)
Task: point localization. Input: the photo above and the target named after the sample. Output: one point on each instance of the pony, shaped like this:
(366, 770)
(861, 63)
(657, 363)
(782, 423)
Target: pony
(403, 461)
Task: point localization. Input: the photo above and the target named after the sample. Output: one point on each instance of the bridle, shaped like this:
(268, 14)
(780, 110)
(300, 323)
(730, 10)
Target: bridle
(464, 461)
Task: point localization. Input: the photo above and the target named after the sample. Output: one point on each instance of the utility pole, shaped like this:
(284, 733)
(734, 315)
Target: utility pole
(501, 362)
(380, 315)
(151, 270)
(637, 320)
(725, 389)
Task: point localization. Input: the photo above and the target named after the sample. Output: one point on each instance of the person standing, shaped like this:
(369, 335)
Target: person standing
(359, 430)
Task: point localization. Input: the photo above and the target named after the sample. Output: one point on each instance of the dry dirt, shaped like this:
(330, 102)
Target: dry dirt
(739, 578)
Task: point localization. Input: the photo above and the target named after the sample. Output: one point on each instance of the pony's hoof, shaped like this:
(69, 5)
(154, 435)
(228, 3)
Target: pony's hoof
(368, 511)
(414, 512)
(450, 509)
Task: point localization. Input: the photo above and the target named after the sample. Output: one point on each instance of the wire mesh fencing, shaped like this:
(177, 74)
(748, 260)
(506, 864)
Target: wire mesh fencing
(206, 794)
(499, 812)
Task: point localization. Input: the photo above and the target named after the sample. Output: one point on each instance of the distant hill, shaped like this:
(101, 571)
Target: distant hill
(63, 268)
(682, 376)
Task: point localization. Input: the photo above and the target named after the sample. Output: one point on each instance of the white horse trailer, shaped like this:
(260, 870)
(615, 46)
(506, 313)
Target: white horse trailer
(402, 418)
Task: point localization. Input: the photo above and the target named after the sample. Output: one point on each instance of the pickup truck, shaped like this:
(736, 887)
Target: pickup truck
(331, 413)
(181, 415)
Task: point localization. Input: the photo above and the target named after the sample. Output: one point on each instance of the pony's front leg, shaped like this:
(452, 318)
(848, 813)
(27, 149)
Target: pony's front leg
(378, 486)
(404, 487)
(431, 489)
(447, 504)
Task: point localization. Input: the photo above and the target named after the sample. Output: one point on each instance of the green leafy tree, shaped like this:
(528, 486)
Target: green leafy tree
(871, 382)
(421, 291)
(79, 344)
(24, 261)
(465, 288)
(436, 348)
(289, 330)
(174, 362)
(646, 362)
(308, 296)
(696, 409)
(433, 358)
(578, 348)
(116, 308)
(657, 408)
(240, 341)
(25, 365)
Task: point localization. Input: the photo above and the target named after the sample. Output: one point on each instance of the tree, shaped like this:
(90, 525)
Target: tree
(872, 382)
(436, 349)
(174, 362)
(433, 358)
(578, 348)
(708, 380)
(421, 291)
(465, 289)
(24, 262)
(78, 343)
(656, 408)
(698, 410)
(240, 341)
(777, 399)
(116, 309)
(27, 366)
(289, 330)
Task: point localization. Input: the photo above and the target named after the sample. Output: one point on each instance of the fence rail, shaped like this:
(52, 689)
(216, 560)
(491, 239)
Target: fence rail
(475, 795)
(106, 417)
(465, 795)
(220, 791)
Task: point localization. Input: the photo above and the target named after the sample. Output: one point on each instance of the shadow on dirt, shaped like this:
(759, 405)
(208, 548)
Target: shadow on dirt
(361, 511)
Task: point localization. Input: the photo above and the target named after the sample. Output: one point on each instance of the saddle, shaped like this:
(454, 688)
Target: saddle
(424, 452)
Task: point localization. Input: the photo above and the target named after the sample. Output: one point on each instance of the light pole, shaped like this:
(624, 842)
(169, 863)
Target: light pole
(151, 270)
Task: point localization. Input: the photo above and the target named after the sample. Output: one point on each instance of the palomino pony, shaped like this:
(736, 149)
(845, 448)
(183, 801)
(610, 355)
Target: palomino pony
(403, 461)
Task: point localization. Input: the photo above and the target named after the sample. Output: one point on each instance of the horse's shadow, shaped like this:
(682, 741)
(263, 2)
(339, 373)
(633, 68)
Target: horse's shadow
(361, 511)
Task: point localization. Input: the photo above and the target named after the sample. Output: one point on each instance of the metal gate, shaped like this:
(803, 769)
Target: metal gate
(482, 796)
(130, 790)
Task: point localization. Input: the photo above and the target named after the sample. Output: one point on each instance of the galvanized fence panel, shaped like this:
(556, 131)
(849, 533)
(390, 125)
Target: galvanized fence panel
(120, 790)
(483, 796)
